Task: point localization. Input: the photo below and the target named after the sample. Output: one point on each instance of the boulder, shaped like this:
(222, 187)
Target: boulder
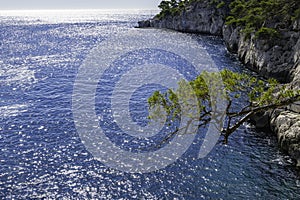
(144, 24)
(287, 127)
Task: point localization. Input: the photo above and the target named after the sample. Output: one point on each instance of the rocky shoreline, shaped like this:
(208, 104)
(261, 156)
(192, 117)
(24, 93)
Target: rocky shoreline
(279, 59)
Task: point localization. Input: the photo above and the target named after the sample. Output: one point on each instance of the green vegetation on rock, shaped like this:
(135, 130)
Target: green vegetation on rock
(170, 7)
(265, 18)
(221, 4)
(174, 7)
(266, 33)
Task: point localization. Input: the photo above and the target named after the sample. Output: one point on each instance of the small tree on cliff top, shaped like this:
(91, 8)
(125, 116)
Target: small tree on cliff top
(170, 7)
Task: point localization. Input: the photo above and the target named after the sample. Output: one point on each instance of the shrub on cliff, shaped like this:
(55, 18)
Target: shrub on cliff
(267, 33)
(263, 17)
(170, 7)
(174, 7)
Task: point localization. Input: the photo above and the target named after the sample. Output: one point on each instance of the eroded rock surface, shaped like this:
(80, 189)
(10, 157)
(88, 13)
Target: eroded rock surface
(278, 58)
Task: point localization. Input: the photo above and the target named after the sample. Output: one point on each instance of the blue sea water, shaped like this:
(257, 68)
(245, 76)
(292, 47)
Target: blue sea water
(42, 155)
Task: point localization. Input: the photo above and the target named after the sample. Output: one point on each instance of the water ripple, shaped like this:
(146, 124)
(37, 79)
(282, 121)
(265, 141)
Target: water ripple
(42, 156)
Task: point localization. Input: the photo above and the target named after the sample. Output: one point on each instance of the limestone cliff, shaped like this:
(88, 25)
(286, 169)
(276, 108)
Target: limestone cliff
(270, 58)
(198, 17)
(278, 58)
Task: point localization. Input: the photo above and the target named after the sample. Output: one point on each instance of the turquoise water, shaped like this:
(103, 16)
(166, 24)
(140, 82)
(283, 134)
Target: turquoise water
(42, 155)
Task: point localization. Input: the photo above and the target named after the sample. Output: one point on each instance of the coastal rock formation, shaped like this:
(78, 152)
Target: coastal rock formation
(198, 17)
(278, 58)
(269, 57)
(287, 126)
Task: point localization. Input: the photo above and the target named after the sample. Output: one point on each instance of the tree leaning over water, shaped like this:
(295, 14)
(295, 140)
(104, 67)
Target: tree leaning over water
(233, 88)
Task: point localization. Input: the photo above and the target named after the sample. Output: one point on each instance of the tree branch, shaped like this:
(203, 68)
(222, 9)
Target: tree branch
(229, 130)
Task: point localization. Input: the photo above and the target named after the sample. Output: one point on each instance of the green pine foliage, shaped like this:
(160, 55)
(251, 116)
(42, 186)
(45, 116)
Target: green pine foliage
(221, 4)
(174, 7)
(209, 87)
(251, 15)
(263, 17)
(266, 33)
(170, 7)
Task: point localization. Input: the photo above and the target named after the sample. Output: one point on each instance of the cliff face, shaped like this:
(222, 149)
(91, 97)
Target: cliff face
(278, 58)
(198, 17)
(270, 58)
